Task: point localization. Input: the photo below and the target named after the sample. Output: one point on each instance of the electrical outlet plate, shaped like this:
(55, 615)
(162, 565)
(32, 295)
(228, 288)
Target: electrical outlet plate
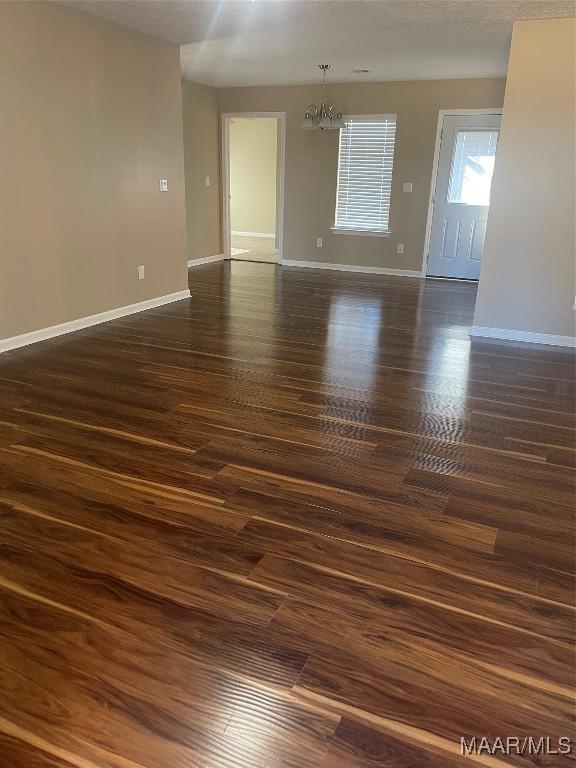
(141, 272)
(163, 185)
(318, 242)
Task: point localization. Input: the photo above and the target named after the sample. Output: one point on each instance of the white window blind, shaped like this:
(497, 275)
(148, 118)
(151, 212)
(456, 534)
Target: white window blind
(365, 173)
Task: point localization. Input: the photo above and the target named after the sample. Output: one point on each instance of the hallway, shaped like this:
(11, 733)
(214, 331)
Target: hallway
(245, 248)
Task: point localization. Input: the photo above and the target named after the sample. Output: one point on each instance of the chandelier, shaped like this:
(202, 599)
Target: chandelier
(324, 117)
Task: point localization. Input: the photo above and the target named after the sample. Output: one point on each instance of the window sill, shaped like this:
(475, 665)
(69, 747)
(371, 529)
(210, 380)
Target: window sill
(362, 232)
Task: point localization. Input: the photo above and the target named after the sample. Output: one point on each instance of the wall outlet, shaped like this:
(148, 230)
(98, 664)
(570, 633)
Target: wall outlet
(141, 272)
(407, 186)
(318, 242)
(400, 248)
(163, 185)
(207, 181)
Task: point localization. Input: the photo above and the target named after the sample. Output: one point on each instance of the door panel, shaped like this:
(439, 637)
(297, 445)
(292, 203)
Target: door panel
(477, 240)
(450, 239)
(462, 195)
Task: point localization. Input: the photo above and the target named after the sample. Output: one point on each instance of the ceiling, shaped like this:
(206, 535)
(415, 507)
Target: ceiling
(280, 42)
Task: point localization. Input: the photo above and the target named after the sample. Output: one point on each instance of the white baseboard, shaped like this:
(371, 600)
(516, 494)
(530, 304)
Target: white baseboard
(85, 322)
(353, 268)
(512, 335)
(205, 260)
(252, 234)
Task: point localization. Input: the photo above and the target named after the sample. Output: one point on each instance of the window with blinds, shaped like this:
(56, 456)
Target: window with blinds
(365, 173)
(472, 167)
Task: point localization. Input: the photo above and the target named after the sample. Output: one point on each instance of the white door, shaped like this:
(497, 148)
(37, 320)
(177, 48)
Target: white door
(462, 195)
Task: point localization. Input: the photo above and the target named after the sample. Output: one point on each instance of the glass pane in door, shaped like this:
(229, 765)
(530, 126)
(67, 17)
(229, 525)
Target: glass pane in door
(472, 167)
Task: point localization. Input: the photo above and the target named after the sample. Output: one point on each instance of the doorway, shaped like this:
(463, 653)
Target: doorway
(253, 181)
(460, 200)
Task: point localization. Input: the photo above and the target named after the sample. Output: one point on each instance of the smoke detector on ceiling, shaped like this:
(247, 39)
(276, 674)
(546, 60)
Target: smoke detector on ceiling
(360, 71)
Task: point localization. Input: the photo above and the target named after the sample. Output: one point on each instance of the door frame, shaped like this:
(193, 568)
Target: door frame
(225, 159)
(442, 113)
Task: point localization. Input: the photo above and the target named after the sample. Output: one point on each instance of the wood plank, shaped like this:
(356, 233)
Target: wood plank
(419, 683)
(183, 710)
(357, 745)
(524, 651)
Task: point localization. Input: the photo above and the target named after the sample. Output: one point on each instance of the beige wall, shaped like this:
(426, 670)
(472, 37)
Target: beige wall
(253, 179)
(202, 159)
(528, 271)
(90, 121)
(312, 161)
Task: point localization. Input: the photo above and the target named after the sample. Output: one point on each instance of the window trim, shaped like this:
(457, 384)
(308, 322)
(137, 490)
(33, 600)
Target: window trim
(362, 232)
(335, 229)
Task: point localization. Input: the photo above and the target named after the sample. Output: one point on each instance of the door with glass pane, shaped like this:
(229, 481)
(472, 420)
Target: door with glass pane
(462, 195)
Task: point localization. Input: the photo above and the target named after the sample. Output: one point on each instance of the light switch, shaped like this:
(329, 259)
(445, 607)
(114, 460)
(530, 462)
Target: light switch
(163, 185)
(407, 186)
(318, 242)
(400, 248)
(141, 272)
(207, 181)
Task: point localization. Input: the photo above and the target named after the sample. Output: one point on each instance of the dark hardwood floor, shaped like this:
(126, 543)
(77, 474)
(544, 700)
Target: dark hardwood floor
(298, 521)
